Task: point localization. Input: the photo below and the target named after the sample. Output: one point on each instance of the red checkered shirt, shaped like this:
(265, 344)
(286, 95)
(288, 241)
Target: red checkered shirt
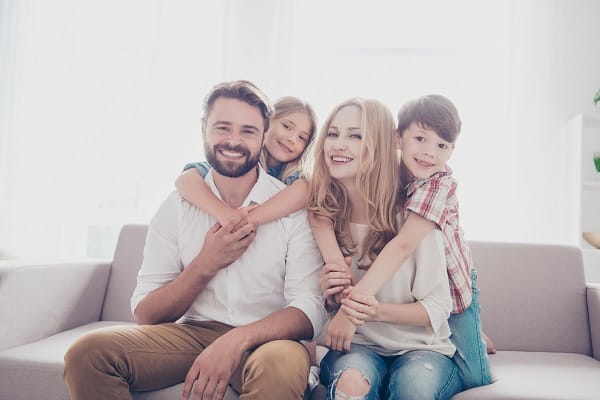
(434, 198)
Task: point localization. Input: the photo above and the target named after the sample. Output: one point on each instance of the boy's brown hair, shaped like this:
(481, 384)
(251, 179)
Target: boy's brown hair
(434, 112)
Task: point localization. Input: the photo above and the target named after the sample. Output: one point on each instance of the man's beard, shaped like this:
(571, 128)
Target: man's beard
(230, 169)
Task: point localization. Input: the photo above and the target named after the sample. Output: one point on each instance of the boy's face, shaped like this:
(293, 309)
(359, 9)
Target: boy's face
(424, 152)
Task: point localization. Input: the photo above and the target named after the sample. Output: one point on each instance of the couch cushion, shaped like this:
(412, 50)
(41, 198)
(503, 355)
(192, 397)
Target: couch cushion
(34, 370)
(533, 297)
(123, 275)
(539, 376)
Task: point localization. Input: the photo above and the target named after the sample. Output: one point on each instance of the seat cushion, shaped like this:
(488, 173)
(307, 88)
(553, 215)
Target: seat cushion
(34, 370)
(539, 376)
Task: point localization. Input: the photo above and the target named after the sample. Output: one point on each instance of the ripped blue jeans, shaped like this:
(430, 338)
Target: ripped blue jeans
(419, 374)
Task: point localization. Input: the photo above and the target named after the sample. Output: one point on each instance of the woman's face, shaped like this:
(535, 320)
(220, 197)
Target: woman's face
(287, 138)
(343, 144)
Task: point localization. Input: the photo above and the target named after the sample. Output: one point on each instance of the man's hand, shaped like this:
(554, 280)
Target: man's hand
(334, 278)
(213, 369)
(339, 333)
(224, 245)
(359, 308)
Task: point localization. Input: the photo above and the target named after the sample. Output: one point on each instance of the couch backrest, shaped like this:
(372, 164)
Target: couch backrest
(533, 297)
(123, 274)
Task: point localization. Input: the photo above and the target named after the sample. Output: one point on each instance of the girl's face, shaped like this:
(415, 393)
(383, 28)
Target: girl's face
(287, 138)
(343, 144)
(424, 152)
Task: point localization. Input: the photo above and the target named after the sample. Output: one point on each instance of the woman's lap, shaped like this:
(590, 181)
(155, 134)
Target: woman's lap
(413, 375)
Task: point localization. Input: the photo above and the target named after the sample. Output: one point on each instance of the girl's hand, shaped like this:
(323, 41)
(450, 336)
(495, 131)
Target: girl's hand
(360, 308)
(340, 332)
(334, 279)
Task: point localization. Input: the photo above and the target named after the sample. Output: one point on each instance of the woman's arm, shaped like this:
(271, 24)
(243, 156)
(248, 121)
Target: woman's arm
(192, 188)
(287, 201)
(394, 254)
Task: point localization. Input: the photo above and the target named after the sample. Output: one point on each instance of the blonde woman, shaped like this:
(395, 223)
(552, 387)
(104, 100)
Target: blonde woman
(404, 351)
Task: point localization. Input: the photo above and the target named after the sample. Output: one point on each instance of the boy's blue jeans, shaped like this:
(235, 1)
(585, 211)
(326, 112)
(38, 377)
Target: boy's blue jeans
(471, 353)
(415, 375)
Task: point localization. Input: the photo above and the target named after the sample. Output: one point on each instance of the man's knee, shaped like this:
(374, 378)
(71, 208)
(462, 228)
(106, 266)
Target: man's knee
(284, 363)
(90, 351)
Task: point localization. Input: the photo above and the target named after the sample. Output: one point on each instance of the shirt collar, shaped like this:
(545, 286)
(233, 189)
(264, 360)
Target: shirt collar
(416, 183)
(258, 194)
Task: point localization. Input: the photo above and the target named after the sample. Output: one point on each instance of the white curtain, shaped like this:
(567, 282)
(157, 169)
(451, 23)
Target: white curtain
(100, 101)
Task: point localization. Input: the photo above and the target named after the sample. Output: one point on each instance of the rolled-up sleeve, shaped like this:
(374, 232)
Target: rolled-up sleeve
(161, 261)
(431, 287)
(303, 265)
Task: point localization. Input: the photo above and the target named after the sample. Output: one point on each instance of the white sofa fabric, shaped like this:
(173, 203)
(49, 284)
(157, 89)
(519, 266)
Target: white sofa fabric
(536, 307)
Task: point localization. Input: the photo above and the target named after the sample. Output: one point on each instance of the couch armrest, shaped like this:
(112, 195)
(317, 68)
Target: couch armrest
(593, 301)
(37, 301)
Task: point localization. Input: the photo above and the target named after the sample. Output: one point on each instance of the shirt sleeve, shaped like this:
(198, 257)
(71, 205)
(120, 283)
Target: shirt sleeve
(202, 167)
(161, 261)
(292, 178)
(303, 265)
(431, 287)
(429, 200)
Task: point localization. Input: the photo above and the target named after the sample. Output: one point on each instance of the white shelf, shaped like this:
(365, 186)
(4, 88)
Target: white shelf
(591, 184)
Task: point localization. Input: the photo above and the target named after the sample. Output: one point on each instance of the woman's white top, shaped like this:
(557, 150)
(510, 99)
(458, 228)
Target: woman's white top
(422, 278)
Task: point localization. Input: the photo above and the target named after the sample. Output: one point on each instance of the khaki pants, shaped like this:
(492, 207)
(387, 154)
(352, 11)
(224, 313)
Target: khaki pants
(109, 362)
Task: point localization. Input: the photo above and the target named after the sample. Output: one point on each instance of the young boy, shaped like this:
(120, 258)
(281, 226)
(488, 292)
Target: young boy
(427, 130)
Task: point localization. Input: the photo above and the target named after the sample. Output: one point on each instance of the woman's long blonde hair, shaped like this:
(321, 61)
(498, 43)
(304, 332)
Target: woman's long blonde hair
(286, 106)
(376, 180)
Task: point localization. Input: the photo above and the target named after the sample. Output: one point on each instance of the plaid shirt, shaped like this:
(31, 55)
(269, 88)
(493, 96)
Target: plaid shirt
(434, 198)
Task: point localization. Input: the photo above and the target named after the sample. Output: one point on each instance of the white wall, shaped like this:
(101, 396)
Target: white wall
(555, 74)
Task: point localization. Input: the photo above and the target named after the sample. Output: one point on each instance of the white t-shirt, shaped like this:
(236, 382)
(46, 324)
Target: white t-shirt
(279, 269)
(421, 278)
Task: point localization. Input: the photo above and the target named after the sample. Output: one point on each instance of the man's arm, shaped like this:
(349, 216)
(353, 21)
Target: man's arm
(167, 291)
(214, 367)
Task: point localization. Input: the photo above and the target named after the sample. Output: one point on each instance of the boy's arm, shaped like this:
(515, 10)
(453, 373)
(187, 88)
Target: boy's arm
(192, 188)
(394, 254)
(287, 201)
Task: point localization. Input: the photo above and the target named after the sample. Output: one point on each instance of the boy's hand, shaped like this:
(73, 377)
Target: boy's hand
(359, 308)
(340, 333)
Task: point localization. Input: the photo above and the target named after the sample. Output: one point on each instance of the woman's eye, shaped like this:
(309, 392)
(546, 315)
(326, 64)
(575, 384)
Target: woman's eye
(331, 134)
(419, 138)
(356, 136)
(303, 138)
(443, 146)
(286, 126)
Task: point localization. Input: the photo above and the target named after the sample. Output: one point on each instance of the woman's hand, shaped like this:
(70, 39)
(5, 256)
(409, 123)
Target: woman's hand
(359, 308)
(334, 279)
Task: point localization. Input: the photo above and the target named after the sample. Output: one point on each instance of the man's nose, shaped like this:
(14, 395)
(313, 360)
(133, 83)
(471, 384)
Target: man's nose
(234, 138)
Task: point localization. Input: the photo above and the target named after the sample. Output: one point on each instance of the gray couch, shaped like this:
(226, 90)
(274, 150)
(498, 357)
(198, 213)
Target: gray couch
(536, 307)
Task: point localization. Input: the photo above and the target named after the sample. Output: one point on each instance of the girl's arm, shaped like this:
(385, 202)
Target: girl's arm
(394, 254)
(287, 201)
(192, 188)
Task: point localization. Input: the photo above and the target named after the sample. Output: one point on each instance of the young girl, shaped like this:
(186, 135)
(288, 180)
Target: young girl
(291, 130)
(404, 350)
(427, 129)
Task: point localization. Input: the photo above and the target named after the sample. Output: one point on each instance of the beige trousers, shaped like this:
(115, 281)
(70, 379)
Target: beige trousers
(109, 362)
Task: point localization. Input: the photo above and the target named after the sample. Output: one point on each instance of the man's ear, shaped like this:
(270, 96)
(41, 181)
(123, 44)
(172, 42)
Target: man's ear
(203, 122)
